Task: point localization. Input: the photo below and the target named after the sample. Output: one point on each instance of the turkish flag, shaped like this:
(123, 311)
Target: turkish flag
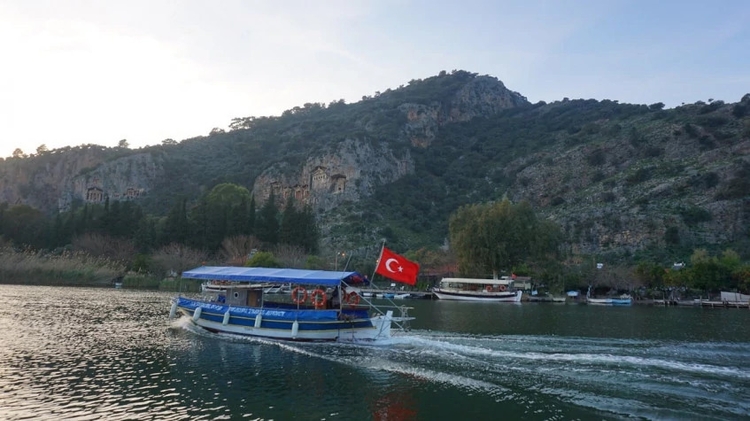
(397, 268)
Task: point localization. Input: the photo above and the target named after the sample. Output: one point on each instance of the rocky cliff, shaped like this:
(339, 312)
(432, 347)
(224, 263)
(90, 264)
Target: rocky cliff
(55, 181)
(630, 190)
(353, 167)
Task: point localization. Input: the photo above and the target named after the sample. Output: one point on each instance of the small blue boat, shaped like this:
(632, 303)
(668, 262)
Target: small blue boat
(624, 300)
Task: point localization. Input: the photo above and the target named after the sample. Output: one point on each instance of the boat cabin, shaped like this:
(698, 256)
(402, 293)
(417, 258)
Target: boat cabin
(472, 284)
(238, 294)
(242, 295)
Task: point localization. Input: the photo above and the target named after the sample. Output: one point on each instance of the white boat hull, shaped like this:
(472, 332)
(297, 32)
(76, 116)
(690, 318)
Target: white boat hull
(508, 297)
(212, 318)
(380, 330)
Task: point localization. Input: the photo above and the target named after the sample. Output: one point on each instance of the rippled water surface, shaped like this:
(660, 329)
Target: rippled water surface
(87, 354)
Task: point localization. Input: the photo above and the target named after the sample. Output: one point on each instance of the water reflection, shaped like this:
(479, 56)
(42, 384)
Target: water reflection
(395, 407)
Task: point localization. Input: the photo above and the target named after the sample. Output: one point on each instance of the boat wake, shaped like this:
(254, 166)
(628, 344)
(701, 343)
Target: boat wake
(612, 377)
(621, 377)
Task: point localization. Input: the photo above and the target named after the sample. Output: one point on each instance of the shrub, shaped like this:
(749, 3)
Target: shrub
(690, 130)
(136, 280)
(739, 110)
(672, 236)
(596, 158)
(736, 188)
(608, 197)
(695, 215)
(709, 180)
(656, 106)
(557, 201)
(263, 259)
(653, 152)
(641, 175)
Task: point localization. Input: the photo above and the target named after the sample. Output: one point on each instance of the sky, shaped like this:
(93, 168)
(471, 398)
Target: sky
(76, 72)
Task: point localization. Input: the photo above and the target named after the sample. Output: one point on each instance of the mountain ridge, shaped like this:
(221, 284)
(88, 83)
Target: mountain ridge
(618, 178)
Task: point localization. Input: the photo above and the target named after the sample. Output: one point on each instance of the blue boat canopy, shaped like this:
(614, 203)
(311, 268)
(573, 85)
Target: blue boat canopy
(275, 275)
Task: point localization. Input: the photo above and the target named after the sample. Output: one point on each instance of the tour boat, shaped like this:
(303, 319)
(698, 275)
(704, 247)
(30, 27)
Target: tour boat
(470, 289)
(308, 313)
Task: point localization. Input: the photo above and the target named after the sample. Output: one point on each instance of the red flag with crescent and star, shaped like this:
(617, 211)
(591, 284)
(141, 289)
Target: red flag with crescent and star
(397, 268)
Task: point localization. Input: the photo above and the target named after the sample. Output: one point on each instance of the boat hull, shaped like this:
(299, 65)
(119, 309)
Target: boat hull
(296, 325)
(609, 301)
(508, 297)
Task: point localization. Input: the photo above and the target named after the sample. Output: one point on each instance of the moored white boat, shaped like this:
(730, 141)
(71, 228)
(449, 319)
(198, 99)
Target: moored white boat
(471, 289)
(243, 308)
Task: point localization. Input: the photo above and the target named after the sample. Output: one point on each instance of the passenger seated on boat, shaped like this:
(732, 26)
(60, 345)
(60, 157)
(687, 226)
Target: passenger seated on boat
(335, 301)
(221, 298)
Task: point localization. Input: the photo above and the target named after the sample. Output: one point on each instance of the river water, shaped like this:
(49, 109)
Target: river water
(88, 354)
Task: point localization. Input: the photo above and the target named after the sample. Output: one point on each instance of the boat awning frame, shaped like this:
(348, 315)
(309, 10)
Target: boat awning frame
(274, 275)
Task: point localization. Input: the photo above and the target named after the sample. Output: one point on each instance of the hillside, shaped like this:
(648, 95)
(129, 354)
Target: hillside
(618, 178)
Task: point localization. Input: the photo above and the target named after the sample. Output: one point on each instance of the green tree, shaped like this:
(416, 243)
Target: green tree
(238, 219)
(227, 194)
(24, 226)
(176, 226)
(707, 273)
(495, 237)
(741, 276)
(650, 274)
(656, 106)
(267, 225)
(145, 235)
(226, 210)
(251, 215)
(290, 223)
(263, 259)
(309, 234)
(56, 234)
(209, 224)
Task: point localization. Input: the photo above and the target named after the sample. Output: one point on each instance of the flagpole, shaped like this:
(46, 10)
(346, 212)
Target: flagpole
(401, 324)
(382, 246)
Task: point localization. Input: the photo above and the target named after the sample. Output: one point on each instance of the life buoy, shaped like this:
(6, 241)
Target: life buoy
(352, 298)
(488, 288)
(318, 298)
(502, 288)
(299, 295)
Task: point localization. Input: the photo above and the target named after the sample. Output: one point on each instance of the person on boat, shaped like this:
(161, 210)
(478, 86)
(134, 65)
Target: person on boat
(335, 301)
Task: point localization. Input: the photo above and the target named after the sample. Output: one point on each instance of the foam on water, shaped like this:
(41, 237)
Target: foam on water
(612, 375)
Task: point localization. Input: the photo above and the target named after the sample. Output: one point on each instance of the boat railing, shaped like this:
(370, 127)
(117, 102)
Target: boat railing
(402, 321)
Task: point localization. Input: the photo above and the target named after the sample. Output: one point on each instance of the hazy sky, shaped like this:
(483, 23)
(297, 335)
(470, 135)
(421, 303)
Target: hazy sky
(74, 72)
